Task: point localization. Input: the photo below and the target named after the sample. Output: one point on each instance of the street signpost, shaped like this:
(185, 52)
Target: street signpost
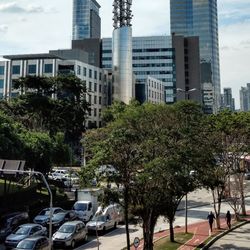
(136, 242)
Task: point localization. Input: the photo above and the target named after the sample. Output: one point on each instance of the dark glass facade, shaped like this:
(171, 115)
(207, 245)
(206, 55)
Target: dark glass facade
(86, 19)
(199, 18)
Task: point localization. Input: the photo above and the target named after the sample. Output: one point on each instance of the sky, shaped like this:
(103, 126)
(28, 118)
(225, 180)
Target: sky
(40, 25)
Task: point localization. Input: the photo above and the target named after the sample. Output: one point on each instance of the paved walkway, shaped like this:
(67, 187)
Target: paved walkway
(200, 231)
(237, 239)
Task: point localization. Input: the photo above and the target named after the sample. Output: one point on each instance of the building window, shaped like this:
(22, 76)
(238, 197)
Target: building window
(1, 70)
(84, 71)
(32, 69)
(100, 100)
(100, 88)
(90, 99)
(95, 87)
(100, 76)
(16, 69)
(90, 73)
(90, 86)
(95, 112)
(1, 95)
(78, 70)
(1, 84)
(95, 99)
(95, 75)
(48, 68)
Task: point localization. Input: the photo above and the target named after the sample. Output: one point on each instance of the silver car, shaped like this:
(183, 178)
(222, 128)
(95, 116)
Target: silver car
(101, 223)
(23, 232)
(34, 243)
(69, 234)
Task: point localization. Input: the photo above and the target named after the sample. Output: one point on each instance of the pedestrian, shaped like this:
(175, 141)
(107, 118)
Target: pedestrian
(211, 218)
(228, 219)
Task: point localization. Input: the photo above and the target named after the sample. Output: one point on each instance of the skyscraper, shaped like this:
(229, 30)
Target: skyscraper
(86, 19)
(199, 18)
(228, 100)
(245, 98)
(124, 88)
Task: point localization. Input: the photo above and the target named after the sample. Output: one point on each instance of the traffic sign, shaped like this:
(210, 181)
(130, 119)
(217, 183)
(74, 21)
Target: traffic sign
(136, 242)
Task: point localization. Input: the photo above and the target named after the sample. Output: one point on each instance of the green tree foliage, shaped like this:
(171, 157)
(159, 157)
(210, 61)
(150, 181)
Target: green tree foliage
(153, 149)
(230, 139)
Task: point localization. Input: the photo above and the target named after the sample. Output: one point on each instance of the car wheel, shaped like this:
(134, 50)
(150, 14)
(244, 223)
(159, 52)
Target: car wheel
(115, 225)
(73, 243)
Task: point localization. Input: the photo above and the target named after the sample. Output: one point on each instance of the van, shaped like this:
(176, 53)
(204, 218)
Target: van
(114, 211)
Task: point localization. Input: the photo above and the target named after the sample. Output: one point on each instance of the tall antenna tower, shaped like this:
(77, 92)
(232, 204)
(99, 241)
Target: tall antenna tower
(122, 13)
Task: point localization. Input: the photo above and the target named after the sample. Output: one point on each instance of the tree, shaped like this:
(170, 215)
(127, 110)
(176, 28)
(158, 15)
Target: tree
(55, 104)
(153, 149)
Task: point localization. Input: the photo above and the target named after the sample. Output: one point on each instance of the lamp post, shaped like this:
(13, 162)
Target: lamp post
(186, 196)
(49, 191)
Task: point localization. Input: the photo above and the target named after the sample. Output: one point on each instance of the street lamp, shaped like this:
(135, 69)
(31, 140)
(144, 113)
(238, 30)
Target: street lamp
(49, 191)
(186, 92)
(186, 196)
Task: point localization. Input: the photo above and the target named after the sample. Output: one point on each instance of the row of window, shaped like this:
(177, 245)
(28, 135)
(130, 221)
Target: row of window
(95, 112)
(95, 100)
(144, 57)
(16, 69)
(144, 50)
(83, 71)
(155, 85)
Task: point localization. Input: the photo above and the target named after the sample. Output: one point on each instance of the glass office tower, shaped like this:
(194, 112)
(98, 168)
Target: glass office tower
(86, 19)
(199, 18)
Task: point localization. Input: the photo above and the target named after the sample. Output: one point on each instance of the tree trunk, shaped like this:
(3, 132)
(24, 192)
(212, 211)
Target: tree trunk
(126, 217)
(171, 230)
(149, 222)
(242, 194)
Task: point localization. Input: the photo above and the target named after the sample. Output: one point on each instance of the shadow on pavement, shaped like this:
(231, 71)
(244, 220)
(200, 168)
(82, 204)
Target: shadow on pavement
(228, 246)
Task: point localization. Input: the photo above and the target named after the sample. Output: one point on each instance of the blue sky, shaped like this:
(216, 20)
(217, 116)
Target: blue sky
(40, 25)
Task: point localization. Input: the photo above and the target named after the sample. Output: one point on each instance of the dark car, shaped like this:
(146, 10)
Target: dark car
(34, 243)
(43, 217)
(10, 222)
(62, 217)
(24, 231)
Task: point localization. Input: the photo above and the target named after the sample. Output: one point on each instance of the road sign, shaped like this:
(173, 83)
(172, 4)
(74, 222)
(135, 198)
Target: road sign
(136, 242)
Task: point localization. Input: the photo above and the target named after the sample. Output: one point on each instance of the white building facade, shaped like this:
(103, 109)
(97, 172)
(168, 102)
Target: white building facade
(48, 65)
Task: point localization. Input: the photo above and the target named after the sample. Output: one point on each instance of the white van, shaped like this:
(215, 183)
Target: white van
(115, 212)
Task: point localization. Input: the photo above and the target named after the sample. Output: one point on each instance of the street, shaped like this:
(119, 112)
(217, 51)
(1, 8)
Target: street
(199, 203)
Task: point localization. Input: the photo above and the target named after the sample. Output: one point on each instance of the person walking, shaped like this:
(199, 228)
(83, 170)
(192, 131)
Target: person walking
(228, 219)
(211, 219)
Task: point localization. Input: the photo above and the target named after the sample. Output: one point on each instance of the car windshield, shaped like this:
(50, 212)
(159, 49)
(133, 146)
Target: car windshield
(26, 244)
(22, 231)
(80, 207)
(59, 216)
(99, 218)
(66, 229)
(44, 212)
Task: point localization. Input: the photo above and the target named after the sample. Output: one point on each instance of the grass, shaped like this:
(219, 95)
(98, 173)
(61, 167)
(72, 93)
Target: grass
(165, 244)
(14, 187)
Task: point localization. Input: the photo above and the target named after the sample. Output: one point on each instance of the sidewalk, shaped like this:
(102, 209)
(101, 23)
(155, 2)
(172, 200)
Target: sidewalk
(200, 231)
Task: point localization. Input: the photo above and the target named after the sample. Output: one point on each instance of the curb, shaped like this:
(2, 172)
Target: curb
(213, 240)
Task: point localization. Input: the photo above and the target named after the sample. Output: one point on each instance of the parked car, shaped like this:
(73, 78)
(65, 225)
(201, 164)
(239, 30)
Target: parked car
(247, 176)
(34, 243)
(101, 223)
(59, 218)
(22, 232)
(43, 217)
(69, 234)
(10, 222)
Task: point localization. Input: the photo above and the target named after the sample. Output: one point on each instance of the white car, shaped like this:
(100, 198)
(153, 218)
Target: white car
(69, 234)
(101, 223)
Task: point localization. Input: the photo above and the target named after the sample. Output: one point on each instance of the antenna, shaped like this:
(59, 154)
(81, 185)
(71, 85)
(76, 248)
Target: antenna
(122, 13)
